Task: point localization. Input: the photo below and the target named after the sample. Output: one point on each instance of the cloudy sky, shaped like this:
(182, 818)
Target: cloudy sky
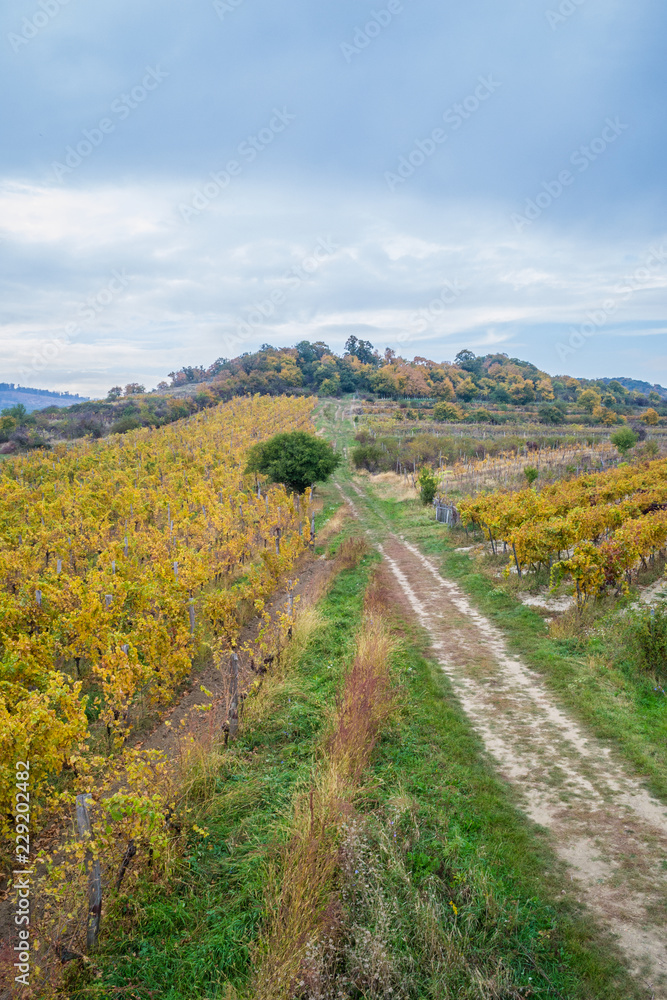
(181, 182)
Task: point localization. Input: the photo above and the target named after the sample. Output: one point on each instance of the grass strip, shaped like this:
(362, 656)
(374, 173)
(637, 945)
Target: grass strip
(302, 907)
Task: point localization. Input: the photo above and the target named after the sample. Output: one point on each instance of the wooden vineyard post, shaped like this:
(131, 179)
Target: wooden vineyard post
(94, 873)
(312, 532)
(191, 613)
(234, 697)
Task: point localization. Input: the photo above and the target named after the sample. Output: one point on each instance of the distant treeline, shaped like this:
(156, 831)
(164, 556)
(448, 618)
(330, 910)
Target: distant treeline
(10, 387)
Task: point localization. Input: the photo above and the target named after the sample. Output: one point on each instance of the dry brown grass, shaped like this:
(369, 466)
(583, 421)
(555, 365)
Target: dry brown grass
(302, 905)
(351, 552)
(390, 485)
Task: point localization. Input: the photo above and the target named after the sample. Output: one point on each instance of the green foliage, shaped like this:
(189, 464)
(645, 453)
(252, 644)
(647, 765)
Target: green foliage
(295, 459)
(531, 474)
(17, 412)
(367, 456)
(124, 424)
(446, 411)
(624, 439)
(647, 632)
(549, 414)
(428, 485)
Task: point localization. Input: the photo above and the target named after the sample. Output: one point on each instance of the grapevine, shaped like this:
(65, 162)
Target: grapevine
(116, 555)
(597, 528)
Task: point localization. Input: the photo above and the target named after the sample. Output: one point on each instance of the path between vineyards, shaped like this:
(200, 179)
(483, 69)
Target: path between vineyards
(603, 823)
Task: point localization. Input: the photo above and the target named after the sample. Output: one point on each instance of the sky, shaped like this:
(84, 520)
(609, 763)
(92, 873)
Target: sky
(183, 182)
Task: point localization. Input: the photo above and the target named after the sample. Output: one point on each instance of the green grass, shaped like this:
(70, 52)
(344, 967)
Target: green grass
(186, 939)
(595, 676)
(440, 817)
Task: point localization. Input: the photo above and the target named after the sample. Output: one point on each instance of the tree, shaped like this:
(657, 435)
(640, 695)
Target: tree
(365, 352)
(115, 392)
(589, 399)
(468, 361)
(295, 459)
(446, 411)
(466, 390)
(134, 389)
(17, 412)
(500, 395)
(650, 417)
(624, 439)
(531, 474)
(330, 386)
(550, 414)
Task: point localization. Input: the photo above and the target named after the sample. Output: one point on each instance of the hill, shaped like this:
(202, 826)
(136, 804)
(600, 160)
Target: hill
(635, 385)
(35, 399)
(491, 389)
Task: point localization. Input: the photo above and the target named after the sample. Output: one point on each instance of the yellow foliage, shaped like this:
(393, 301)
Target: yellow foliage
(103, 548)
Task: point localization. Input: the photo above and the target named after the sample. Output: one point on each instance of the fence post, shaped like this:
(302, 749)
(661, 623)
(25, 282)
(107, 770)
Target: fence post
(312, 532)
(191, 613)
(94, 873)
(234, 701)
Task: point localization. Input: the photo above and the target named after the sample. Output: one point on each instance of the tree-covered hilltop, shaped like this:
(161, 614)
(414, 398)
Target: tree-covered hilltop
(492, 378)
(493, 388)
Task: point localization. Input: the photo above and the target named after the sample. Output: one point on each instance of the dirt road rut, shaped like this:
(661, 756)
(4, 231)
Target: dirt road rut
(603, 823)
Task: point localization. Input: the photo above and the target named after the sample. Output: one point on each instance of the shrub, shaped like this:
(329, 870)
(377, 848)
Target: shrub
(549, 414)
(647, 628)
(428, 485)
(446, 411)
(624, 439)
(367, 456)
(124, 424)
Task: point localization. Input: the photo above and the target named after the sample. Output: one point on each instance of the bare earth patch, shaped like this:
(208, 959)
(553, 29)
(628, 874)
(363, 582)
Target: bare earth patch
(603, 823)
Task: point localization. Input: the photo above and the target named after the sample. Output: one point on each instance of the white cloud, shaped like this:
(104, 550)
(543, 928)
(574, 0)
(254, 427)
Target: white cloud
(190, 286)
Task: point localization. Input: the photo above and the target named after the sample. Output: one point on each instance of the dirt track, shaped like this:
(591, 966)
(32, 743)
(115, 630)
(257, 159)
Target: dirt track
(607, 828)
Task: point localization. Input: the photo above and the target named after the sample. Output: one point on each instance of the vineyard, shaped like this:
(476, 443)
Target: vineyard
(596, 529)
(117, 559)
